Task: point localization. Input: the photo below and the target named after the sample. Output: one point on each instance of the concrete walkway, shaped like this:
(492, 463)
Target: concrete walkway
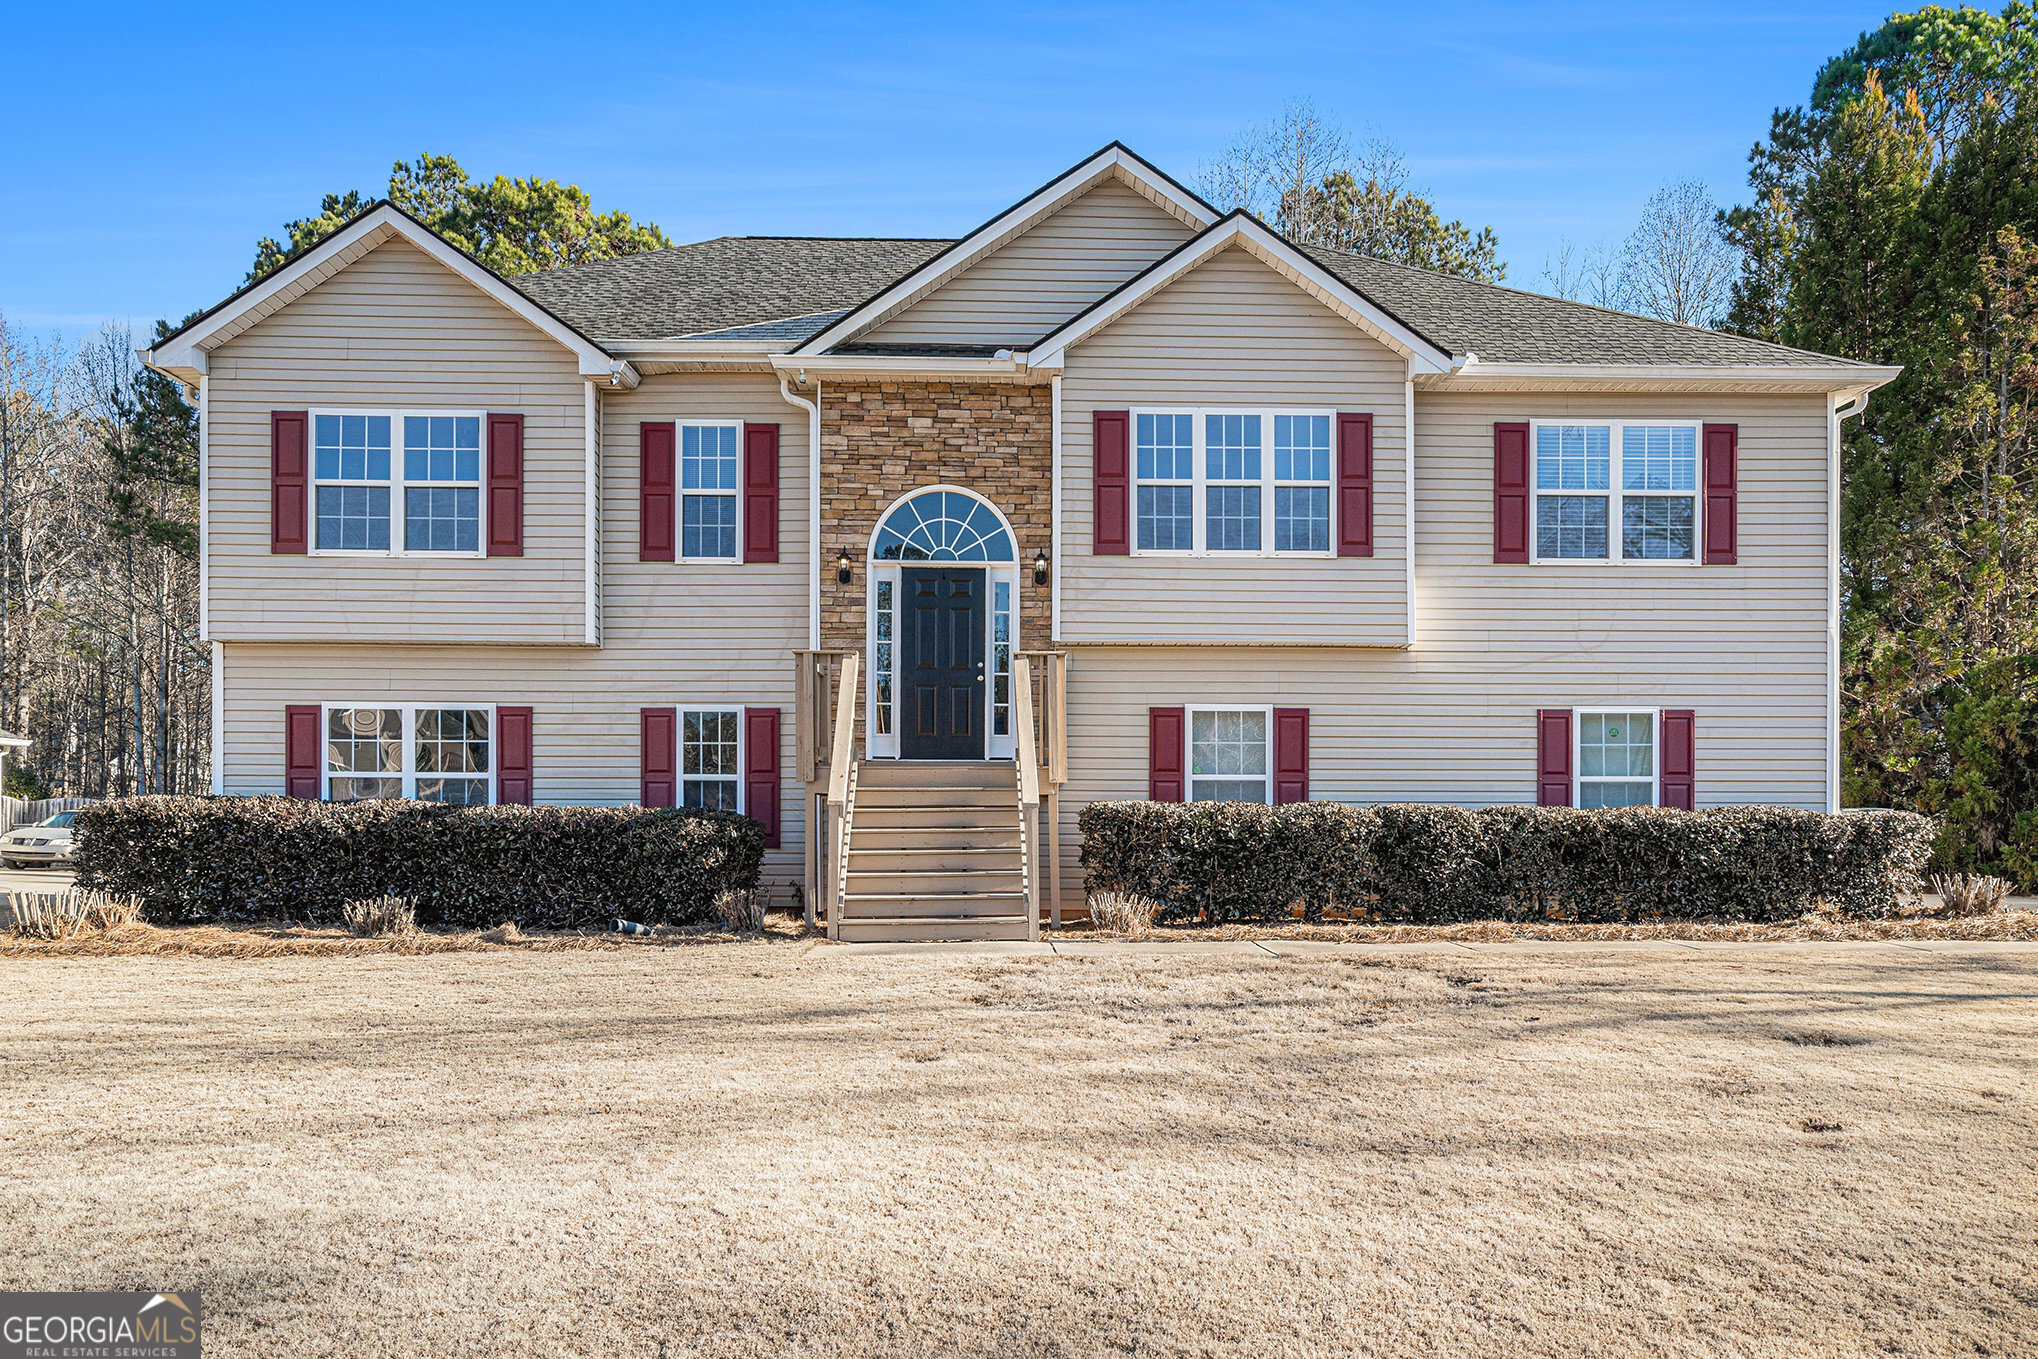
(1302, 948)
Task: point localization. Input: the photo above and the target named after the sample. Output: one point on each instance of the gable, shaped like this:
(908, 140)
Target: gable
(394, 299)
(1038, 280)
(1236, 311)
(184, 353)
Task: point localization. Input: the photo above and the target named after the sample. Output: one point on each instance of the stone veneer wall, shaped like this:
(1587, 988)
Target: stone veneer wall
(880, 440)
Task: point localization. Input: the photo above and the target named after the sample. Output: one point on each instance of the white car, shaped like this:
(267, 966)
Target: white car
(46, 842)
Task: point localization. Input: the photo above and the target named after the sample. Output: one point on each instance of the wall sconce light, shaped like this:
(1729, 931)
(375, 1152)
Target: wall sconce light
(1040, 568)
(842, 569)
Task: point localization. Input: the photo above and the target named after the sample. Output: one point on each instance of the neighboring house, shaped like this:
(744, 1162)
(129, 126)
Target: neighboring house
(565, 538)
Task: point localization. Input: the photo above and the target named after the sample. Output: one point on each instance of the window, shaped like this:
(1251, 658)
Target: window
(1245, 483)
(437, 482)
(1301, 483)
(1166, 455)
(429, 753)
(710, 758)
(1641, 478)
(1616, 759)
(442, 483)
(1229, 755)
(707, 484)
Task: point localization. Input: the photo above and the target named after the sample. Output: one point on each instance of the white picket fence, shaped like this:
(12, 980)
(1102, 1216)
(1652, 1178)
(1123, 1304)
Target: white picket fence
(16, 812)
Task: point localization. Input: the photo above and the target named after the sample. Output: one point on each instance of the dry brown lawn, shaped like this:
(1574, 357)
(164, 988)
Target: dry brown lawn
(774, 1148)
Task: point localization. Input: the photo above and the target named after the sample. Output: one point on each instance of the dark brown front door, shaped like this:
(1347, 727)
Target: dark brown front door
(941, 664)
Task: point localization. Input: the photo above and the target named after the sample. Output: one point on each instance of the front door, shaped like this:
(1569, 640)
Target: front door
(941, 664)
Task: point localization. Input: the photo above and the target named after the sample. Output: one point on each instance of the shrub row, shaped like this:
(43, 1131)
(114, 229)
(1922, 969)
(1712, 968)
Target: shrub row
(1434, 865)
(252, 858)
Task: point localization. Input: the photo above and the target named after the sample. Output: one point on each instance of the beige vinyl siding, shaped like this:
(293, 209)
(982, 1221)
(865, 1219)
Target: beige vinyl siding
(681, 616)
(585, 741)
(674, 635)
(397, 329)
(1233, 333)
(1036, 281)
(1452, 720)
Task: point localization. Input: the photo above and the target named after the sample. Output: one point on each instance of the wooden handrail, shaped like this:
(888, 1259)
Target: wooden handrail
(845, 731)
(1026, 755)
(1053, 748)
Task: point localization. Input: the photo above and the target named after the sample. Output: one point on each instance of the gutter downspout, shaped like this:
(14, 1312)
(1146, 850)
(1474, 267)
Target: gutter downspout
(1054, 521)
(813, 503)
(1408, 492)
(1837, 411)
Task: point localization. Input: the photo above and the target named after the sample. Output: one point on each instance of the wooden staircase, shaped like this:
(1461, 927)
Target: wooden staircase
(936, 850)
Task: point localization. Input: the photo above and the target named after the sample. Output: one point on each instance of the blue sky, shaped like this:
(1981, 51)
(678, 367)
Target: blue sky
(150, 147)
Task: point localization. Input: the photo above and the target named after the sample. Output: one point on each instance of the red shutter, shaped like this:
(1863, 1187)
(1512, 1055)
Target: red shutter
(1291, 755)
(654, 494)
(661, 757)
(289, 475)
(1553, 757)
(1111, 477)
(505, 485)
(1722, 510)
(760, 769)
(1354, 484)
(513, 756)
(1510, 492)
(302, 741)
(1680, 727)
(1164, 781)
(760, 497)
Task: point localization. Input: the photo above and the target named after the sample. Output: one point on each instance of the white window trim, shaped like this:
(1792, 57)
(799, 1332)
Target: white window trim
(680, 493)
(1614, 494)
(886, 746)
(679, 775)
(1189, 712)
(409, 709)
(1578, 778)
(396, 483)
(1199, 466)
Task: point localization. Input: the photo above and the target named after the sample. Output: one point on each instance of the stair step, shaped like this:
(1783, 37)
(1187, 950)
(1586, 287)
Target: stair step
(952, 773)
(932, 928)
(924, 820)
(935, 796)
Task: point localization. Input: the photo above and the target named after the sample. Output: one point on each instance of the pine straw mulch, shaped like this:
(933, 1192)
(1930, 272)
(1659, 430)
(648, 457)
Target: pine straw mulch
(284, 939)
(2020, 924)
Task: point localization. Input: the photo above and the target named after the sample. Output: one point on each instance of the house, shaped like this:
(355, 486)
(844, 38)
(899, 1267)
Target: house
(889, 542)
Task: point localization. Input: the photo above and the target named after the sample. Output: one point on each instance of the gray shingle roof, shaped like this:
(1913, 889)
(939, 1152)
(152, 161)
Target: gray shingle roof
(733, 282)
(791, 287)
(1506, 325)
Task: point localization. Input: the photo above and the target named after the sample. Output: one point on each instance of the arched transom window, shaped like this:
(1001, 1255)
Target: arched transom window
(942, 526)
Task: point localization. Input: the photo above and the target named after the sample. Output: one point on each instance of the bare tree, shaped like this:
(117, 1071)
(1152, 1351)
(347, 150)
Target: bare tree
(1578, 273)
(100, 663)
(1269, 168)
(1677, 265)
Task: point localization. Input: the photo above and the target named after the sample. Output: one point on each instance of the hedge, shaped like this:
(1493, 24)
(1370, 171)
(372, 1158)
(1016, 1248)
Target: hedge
(1435, 865)
(254, 858)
